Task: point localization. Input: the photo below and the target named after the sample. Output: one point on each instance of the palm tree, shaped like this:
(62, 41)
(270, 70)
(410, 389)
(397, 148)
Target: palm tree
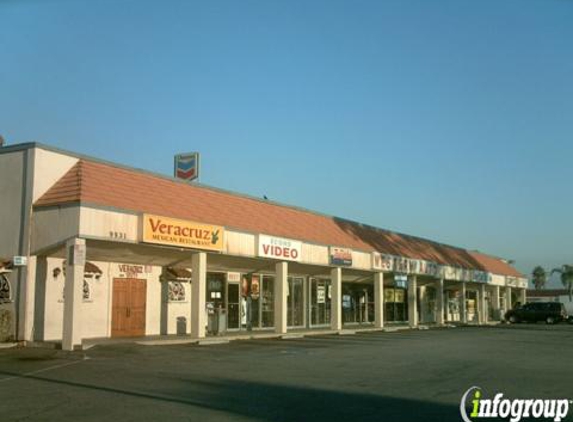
(539, 277)
(566, 272)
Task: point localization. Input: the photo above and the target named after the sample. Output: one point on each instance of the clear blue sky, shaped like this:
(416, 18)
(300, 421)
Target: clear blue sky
(451, 120)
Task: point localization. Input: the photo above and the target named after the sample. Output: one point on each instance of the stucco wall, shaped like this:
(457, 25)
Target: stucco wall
(12, 167)
(177, 310)
(53, 226)
(96, 312)
(49, 167)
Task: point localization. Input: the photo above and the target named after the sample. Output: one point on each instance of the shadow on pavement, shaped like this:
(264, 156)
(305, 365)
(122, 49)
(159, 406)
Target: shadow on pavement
(272, 402)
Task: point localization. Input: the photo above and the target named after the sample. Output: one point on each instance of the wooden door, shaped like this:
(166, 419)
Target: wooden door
(128, 307)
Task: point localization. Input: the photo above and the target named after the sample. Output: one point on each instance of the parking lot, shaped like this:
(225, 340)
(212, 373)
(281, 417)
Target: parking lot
(402, 376)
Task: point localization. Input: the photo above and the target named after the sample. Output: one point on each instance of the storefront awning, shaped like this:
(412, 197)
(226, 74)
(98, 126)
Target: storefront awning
(91, 268)
(5, 265)
(178, 273)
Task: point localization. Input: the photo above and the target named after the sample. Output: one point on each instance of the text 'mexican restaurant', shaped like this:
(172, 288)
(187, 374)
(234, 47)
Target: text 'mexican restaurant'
(91, 249)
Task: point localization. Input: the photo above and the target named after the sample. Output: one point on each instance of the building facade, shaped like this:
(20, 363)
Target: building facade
(91, 249)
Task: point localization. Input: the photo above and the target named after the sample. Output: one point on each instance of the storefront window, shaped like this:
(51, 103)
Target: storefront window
(320, 301)
(357, 303)
(268, 302)
(236, 313)
(471, 306)
(395, 305)
(215, 292)
(453, 305)
(256, 300)
(295, 302)
(251, 302)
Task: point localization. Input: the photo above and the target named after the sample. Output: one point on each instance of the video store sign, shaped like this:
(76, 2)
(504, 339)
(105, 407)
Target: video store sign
(279, 248)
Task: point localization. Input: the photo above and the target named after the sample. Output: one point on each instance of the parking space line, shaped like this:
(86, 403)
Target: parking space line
(50, 368)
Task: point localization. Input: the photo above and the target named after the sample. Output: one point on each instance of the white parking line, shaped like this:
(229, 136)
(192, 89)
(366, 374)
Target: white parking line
(50, 368)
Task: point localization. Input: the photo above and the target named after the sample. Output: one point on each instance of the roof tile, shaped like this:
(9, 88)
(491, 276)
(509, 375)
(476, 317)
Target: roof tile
(106, 185)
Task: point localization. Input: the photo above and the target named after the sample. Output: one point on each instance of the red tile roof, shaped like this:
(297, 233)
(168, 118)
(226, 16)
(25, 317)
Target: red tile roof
(101, 184)
(495, 265)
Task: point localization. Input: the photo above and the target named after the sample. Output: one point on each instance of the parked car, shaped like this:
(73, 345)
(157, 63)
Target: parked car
(549, 312)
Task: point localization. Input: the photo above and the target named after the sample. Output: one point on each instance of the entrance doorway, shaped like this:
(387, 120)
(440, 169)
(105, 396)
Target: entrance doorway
(320, 300)
(233, 306)
(357, 303)
(395, 304)
(128, 307)
(295, 313)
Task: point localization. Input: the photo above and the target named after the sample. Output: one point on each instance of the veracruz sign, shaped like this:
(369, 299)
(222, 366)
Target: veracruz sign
(279, 248)
(181, 233)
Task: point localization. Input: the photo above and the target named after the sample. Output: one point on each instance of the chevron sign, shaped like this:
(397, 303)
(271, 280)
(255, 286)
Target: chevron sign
(187, 166)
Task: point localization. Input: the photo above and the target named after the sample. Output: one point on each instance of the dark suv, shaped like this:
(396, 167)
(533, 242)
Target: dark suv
(550, 312)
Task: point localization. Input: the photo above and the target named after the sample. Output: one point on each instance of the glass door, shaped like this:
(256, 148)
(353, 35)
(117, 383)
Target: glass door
(320, 302)
(233, 306)
(357, 303)
(295, 302)
(395, 305)
(267, 302)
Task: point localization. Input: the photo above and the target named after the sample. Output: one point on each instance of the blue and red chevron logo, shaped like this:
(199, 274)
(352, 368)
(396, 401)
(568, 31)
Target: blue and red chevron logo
(186, 167)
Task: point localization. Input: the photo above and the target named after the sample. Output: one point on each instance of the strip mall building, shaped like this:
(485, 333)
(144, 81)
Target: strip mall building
(114, 251)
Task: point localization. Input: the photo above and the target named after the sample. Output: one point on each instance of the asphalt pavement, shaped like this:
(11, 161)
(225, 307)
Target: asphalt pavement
(401, 376)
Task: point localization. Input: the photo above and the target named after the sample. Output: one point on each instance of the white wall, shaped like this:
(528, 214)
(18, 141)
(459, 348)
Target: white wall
(497, 280)
(179, 309)
(109, 224)
(241, 244)
(96, 313)
(316, 254)
(49, 167)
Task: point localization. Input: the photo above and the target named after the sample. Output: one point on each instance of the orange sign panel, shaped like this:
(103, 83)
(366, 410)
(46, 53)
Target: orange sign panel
(181, 233)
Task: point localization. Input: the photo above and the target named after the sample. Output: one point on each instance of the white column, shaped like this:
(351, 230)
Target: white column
(508, 302)
(495, 304)
(412, 302)
(30, 300)
(379, 300)
(483, 317)
(523, 296)
(423, 299)
(198, 292)
(440, 301)
(336, 300)
(281, 296)
(463, 310)
(73, 293)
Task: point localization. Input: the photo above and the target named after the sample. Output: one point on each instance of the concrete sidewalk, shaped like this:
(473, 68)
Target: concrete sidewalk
(167, 340)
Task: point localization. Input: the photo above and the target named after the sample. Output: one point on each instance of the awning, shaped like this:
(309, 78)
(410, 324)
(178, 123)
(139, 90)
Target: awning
(91, 268)
(5, 264)
(178, 273)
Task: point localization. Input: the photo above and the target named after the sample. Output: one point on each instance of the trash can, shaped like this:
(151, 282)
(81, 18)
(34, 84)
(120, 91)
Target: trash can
(181, 326)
